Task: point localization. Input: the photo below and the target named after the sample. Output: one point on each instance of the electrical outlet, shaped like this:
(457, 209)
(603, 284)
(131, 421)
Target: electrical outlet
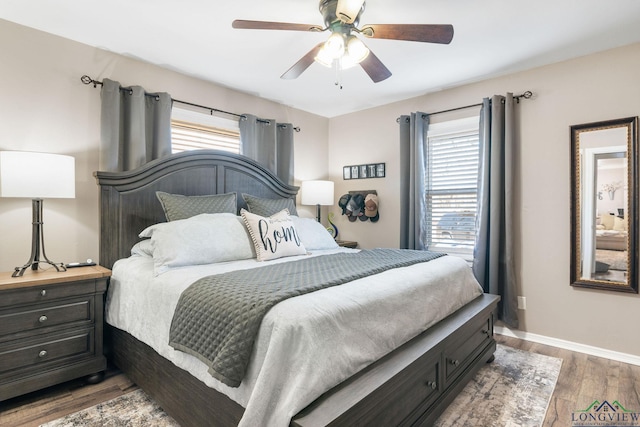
(522, 303)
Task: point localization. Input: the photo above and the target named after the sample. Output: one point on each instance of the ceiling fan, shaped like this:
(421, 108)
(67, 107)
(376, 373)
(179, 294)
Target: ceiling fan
(343, 49)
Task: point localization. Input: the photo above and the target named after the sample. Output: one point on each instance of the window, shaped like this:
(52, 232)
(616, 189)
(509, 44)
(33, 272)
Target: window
(192, 130)
(452, 186)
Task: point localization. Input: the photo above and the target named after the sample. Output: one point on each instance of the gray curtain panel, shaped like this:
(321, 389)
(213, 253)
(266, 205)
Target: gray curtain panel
(135, 126)
(493, 258)
(413, 209)
(269, 143)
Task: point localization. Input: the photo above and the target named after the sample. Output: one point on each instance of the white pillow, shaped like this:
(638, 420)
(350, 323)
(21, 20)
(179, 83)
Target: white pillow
(620, 224)
(201, 239)
(313, 234)
(607, 220)
(143, 248)
(273, 237)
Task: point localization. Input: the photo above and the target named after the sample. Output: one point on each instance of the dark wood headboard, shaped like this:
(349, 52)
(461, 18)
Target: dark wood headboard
(128, 202)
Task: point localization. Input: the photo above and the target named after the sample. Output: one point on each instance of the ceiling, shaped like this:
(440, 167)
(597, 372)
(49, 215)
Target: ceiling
(194, 37)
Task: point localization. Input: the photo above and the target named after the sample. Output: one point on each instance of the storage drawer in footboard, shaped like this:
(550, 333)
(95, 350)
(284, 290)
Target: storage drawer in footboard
(414, 387)
(459, 354)
(409, 387)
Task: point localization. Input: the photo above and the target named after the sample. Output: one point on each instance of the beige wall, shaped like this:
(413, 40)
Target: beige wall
(593, 88)
(45, 107)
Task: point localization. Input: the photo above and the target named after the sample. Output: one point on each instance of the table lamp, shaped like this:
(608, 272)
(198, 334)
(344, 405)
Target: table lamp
(317, 193)
(36, 176)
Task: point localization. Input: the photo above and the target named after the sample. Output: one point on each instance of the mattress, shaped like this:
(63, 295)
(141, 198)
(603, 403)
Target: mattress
(305, 345)
(611, 239)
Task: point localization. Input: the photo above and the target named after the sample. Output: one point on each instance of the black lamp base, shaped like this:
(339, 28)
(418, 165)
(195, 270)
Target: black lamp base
(37, 243)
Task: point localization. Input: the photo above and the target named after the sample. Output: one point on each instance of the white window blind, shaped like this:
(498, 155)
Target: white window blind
(191, 130)
(452, 187)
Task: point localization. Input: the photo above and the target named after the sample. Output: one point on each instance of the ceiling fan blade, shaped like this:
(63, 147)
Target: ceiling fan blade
(266, 25)
(412, 32)
(375, 68)
(302, 64)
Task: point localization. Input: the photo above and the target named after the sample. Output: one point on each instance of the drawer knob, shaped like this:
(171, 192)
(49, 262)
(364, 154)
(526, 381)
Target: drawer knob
(432, 384)
(43, 353)
(486, 332)
(43, 292)
(454, 362)
(43, 319)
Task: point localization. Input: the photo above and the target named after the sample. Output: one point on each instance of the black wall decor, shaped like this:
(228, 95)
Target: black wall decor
(370, 170)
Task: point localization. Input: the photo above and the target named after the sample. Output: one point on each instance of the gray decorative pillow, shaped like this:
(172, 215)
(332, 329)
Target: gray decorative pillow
(177, 206)
(268, 207)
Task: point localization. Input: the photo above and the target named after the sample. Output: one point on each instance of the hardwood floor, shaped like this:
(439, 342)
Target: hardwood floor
(51, 403)
(582, 380)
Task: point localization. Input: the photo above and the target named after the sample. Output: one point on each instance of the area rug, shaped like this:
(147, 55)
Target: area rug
(513, 390)
(134, 409)
(617, 260)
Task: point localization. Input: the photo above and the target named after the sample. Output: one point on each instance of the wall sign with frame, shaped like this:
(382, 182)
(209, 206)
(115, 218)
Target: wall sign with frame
(370, 170)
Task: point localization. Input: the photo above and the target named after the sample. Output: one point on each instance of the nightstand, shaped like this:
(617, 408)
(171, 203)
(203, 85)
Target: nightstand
(347, 244)
(51, 326)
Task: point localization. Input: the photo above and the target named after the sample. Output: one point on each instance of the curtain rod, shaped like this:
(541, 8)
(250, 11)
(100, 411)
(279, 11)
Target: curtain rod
(526, 95)
(88, 80)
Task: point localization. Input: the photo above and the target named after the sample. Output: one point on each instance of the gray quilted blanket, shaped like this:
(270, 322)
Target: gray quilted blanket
(217, 317)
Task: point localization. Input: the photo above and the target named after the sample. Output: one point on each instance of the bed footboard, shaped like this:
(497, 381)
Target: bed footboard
(412, 385)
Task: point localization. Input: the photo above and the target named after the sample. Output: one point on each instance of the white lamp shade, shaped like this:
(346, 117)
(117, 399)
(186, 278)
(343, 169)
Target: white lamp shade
(356, 53)
(348, 10)
(324, 58)
(37, 175)
(334, 45)
(316, 193)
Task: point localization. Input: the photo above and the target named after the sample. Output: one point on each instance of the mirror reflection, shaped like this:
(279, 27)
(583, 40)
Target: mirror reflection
(603, 201)
(611, 231)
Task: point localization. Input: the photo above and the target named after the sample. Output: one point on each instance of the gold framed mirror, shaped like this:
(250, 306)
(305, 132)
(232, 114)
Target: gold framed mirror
(604, 205)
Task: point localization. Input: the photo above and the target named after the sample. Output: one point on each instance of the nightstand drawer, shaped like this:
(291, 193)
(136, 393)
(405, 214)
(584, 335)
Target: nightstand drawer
(45, 293)
(49, 349)
(34, 317)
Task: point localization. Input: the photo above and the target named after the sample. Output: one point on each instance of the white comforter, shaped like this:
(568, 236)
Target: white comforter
(307, 344)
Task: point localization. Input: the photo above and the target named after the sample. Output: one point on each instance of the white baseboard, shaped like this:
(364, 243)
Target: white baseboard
(568, 345)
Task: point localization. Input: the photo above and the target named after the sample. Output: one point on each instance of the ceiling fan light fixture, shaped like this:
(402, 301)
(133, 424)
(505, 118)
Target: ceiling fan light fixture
(356, 52)
(334, 46)
(348, 10)
(347, 62)
(324, 58)
(332, 49)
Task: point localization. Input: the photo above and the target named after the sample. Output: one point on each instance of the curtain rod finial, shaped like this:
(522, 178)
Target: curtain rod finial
(88, 80)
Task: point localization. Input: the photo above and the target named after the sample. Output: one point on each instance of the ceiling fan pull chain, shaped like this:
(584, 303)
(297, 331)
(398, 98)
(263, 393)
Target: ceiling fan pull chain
(338, 69)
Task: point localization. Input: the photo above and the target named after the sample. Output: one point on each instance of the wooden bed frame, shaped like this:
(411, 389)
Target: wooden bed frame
(410, 386)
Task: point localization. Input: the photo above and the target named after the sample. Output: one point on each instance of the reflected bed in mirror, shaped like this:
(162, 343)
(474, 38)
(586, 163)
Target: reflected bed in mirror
(604, 198)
